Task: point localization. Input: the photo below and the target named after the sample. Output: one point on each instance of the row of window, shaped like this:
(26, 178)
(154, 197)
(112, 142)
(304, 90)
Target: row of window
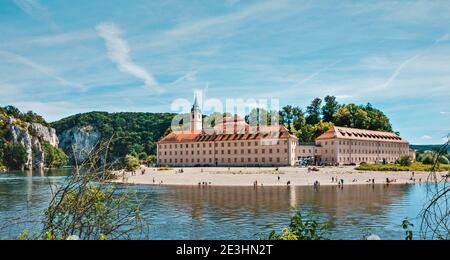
(363, 159)
(222, 160)
(210, 144)
(371, 151)
(249, 151)
(358, 159)
(369, 144)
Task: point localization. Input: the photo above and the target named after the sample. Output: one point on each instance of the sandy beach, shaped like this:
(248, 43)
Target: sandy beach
(222, 176)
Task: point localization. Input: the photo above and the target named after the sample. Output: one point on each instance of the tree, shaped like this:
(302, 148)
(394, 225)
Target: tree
(314, 111)
(2, 145)
(405, 161)
(87, 207)
(54, 157)
(292, 117)
(15, 156)
(259, 117)
(131, 163)
(329, 109)
(309, 133)
(151, 159)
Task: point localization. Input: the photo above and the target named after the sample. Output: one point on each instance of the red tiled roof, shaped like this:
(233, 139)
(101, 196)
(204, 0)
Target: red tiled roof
(360, 134)
(176, 137)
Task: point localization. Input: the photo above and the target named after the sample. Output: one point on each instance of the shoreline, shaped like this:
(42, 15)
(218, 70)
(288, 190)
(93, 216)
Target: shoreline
(268, 177)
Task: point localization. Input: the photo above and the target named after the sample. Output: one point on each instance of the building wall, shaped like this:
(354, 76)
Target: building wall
(344, 151)
(228, 153)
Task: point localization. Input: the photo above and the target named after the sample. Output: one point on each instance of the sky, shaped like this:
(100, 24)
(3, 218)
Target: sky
(59, 58)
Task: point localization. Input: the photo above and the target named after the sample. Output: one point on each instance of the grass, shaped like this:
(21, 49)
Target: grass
(416, 166)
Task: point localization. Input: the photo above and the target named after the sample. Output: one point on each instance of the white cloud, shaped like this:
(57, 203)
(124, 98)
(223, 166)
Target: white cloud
(426, 137)
(119, 52)
(36, 10)
(51, 110)
(397, 72)
(343, 96)
(40, 68)
(64, 38)
(444, 113)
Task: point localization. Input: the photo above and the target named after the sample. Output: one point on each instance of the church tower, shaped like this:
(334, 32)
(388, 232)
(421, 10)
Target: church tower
(196, 118)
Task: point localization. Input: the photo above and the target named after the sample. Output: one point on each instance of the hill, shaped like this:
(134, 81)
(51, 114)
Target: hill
(134, 133)
(428, 147)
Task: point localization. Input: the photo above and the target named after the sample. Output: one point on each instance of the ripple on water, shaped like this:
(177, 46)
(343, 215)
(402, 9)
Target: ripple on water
(238, 212)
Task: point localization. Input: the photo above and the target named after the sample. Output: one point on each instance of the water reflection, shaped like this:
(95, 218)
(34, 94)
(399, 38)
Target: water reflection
(366, 199)
(233, 212)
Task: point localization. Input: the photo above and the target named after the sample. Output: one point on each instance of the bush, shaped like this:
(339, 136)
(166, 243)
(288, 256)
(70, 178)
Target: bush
(15, 156)
(405, 161)
(443, 160)
(131, 163)
(427, 159)
(302, 228)
(151, 159)
(416, 166)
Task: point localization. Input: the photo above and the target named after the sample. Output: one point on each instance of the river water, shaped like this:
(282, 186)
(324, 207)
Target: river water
(230, 212)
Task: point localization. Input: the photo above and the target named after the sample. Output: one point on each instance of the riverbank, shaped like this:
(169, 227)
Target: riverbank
(221, 176)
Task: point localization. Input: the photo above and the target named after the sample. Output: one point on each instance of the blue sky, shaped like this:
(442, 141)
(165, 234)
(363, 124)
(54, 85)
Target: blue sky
(63, 57)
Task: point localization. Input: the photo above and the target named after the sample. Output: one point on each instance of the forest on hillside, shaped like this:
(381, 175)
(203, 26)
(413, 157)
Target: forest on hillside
(136, 134)
(133, 133)
(307, 124)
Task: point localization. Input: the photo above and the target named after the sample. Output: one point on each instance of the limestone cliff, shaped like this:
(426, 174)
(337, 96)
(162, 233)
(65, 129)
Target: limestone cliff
(30, 135)
(78, 142)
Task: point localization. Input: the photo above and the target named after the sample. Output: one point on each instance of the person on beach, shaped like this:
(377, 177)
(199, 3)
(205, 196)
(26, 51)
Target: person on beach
(289, 183)
(279, 178)
(153, 180)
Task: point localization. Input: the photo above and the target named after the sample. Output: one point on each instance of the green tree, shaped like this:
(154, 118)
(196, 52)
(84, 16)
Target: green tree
(131, 163)
(15, 156)
(330, 108)
(405, 161)
(313, 112)
(292, 117)
(54, 157)
(259, 117)
(151, 159)
(2, 147)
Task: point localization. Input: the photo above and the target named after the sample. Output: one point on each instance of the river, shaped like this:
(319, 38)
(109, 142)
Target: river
(230, 212)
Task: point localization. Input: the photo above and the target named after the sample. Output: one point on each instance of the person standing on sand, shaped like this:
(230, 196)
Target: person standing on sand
(279, 178)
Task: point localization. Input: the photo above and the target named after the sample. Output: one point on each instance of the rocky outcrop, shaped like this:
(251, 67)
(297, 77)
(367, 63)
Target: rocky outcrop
(30, 135)
(79, 142)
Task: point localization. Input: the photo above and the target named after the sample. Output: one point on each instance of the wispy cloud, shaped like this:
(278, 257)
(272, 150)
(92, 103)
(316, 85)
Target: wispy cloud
(12, 57)
(397, 72)
(36, 10)
(245, 13)
(444, 113)
(64, 38)
(119, 52)
(426, 137)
